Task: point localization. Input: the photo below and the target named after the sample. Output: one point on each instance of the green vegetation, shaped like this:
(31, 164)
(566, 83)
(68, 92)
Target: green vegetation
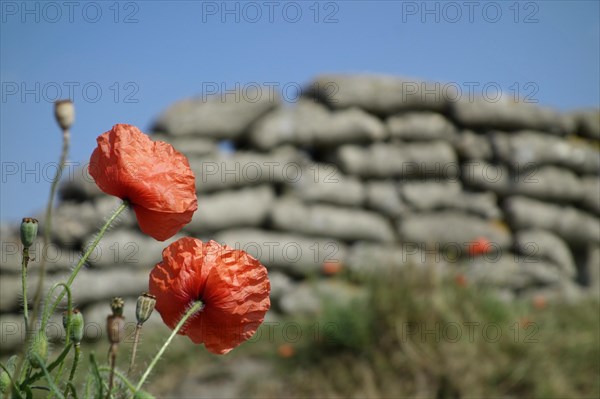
(419, 335)
(415, 335)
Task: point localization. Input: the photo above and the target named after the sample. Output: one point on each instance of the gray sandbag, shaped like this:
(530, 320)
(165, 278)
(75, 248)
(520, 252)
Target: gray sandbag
(321, 182)
(529, 149)
(588, 123)
(431, 159)
(451, 230)
(505, 114)
(421, 126)
(541, 245)
(246, 207)
(472, 146)
(310, 124)
(383, 196)
(575, 226)
(246, 168)
(433, 195)
(380, 94)
(218, 116)
(331, 221)
(293, 253)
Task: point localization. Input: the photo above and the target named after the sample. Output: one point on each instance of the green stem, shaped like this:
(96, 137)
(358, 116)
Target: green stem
(58, 374)
(136, 340)
(51, 384)
(48, 222)
(71, 387)
(25, 370)
(23, 366)
(46, 315)
(73, 369)
(120, 375)
(113, 361)
(191, 311)
(96, 373)
(24, 264)
(51, 367)
(41, 388)
(88, 385)
(15, 388)
(90, 249)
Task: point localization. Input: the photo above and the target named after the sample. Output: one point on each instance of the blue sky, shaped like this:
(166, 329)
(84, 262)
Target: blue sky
(125, 62)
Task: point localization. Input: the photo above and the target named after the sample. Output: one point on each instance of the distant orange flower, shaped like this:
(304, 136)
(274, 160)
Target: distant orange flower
(525, 322)
(155, 178)
(460, 280)
(233, 286)
(480, 246)
(539, 302)
(286, 350)
(331, 268)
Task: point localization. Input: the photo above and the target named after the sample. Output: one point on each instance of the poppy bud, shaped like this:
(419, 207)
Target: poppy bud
(117, 304)
(114, 326)
(144, 307)
(64, 112)
(76, 326)
(29, 228)
(5, 376)
(38, 346)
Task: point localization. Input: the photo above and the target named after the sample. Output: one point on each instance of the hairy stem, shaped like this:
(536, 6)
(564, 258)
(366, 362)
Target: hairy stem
(71, 387)
(120, 375)
(46, 315)
(14, 387)
(52, 386)
(24, 264)
(197, 306)
(136, 340)
(89, 250)
(24, 365)
(96, 374)
(30, 380)
(113, 361)
(73, 369)
(48, 222)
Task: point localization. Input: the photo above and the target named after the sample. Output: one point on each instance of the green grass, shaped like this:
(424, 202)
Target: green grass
(420, 335)
(415, 334)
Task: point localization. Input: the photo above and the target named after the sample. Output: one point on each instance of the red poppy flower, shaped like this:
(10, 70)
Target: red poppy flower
(460, 280)
(539, 302)
(480, 246)
(525, 322)
(286, 350)
(233, 286)
(154, 177)
(331, 268)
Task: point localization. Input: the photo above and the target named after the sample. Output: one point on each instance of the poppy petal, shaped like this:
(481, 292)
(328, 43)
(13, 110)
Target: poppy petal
(155, 178)
(233, 286)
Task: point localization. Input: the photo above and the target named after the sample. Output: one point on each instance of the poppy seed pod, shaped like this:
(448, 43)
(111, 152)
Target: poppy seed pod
(64, 112)
(76, 326)
(116, 305)
(144, 307)
(39, 347)
(114, 326)
(29, 228)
